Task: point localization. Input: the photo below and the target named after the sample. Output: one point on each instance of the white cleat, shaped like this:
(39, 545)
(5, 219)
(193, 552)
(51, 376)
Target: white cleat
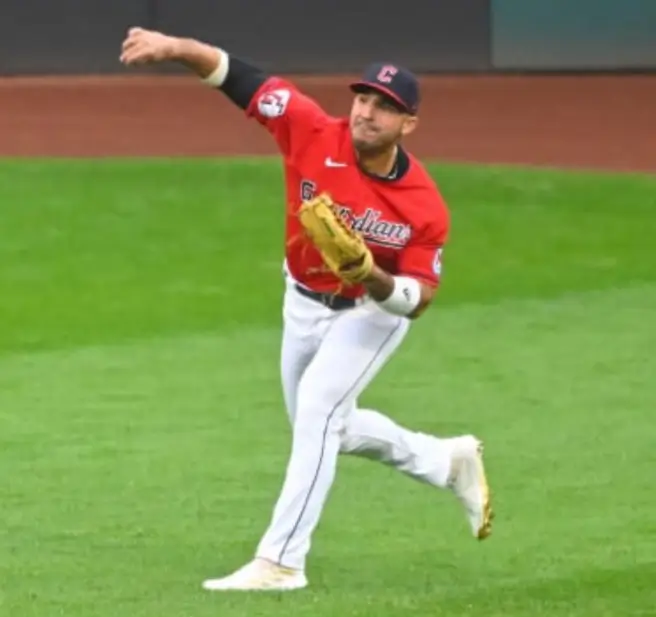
(467, 480)
(259, 575)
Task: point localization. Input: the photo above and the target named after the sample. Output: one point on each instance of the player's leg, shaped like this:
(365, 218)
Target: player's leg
(300, 342)
(305, 323)
(355, 348)
(366, 433)
(455, 463)
(370, 434)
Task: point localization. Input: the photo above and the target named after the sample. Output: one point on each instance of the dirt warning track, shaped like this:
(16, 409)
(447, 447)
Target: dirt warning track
(603, 122)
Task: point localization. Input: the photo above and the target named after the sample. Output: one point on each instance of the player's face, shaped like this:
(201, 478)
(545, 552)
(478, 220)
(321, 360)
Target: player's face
(377, 123)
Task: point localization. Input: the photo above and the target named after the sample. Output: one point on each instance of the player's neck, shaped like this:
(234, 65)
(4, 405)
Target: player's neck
(379, 163)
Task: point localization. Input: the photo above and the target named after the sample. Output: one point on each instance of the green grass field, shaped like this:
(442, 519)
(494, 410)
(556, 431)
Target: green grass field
(142, 434)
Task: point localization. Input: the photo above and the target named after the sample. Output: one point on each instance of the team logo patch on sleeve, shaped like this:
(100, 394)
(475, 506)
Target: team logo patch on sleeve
(273, 104)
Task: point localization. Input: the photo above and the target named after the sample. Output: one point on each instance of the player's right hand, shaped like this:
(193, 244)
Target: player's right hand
(147, 46)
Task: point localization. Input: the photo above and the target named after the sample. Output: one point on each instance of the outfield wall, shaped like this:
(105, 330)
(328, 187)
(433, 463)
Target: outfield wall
(301, 36)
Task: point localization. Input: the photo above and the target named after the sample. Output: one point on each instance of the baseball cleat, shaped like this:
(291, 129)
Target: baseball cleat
(259, 575)
(468, 482)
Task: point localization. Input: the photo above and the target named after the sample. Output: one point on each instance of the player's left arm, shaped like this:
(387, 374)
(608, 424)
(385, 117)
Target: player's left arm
(411, 290)
(404, 295)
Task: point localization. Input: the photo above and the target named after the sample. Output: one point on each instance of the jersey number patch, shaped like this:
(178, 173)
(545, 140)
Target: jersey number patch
(437, 262)
(273, 104)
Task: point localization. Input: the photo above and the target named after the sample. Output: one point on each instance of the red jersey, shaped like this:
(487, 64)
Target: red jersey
(404, 222)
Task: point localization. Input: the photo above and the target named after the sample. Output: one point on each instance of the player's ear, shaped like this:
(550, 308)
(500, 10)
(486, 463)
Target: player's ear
(409, 124)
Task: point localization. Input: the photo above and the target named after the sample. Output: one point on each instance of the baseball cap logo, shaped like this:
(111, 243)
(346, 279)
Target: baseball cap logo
(392, 80)
(386, 74)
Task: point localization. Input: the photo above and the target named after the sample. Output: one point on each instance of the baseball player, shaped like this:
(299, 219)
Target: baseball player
(365, 230)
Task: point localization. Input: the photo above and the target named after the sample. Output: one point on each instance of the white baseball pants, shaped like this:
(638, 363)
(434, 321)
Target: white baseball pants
(327, 360)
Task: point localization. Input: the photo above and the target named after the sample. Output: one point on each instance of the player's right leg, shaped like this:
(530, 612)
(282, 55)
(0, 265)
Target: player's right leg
(306, 323)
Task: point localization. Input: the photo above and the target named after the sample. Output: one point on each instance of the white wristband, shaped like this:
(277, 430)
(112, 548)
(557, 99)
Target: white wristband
(216, 78)
(404, 298)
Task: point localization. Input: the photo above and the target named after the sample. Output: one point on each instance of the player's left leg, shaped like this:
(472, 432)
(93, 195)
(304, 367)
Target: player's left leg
(454, 462)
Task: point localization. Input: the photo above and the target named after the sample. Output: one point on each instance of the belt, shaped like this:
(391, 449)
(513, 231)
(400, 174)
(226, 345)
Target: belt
(337, 303)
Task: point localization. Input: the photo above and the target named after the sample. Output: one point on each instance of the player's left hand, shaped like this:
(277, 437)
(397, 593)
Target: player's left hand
(343, 250)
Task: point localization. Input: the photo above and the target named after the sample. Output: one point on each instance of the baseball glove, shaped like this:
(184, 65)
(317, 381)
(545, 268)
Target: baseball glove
(343, 250)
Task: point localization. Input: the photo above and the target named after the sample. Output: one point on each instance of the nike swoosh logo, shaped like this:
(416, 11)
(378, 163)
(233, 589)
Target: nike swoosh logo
(331, 163)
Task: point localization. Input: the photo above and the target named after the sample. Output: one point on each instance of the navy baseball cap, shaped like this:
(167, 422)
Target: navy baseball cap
(392, 80)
